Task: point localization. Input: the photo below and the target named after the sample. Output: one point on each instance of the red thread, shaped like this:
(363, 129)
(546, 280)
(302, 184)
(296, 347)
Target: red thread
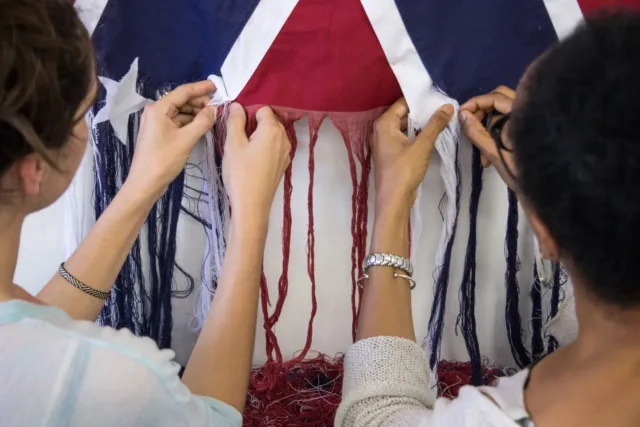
(295, 393)
(452, 376)
(356, 133)
(308, 393)
(314, 126)
(355, 128)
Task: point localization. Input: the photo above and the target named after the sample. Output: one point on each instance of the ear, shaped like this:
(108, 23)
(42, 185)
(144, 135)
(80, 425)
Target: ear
(31, 170)
(548, 245)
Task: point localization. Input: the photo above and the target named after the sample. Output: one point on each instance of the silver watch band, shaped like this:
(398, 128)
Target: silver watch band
(388, 260)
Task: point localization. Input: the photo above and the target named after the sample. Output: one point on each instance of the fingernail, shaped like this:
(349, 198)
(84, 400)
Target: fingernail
(448, 109)
(463, 116)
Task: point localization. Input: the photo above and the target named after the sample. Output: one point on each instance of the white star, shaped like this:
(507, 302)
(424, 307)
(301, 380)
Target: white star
(122, 101)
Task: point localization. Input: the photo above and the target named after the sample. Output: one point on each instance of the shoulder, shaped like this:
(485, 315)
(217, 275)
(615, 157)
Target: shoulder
(99, 373)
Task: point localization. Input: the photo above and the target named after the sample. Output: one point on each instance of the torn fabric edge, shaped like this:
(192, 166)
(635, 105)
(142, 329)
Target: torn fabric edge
(356, 129)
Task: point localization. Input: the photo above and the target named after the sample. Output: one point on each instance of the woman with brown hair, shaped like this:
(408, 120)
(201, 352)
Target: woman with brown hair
(56, 366)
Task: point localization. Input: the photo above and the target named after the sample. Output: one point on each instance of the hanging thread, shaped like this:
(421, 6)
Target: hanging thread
(467, 295)
(512, 309)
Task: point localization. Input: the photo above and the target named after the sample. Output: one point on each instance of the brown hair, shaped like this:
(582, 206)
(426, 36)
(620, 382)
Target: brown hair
(46, 66)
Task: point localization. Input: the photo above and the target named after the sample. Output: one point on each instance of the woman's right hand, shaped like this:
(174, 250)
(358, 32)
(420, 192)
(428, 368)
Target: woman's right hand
(474, 112)
(253, 166)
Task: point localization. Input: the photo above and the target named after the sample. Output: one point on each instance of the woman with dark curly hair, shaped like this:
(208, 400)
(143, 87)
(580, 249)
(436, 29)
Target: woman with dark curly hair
(568, 143)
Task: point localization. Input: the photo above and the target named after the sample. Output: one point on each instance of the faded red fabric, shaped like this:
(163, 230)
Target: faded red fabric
(326, 58)
(590, 6)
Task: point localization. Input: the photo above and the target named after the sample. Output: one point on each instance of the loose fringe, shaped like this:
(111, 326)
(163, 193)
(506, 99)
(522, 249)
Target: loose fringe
(467, 296)
(520, 353)
(308, 393)
(295, 393)
(356, 130)
(537, 335)
(76, 211)
(447, 146)
(142, 306)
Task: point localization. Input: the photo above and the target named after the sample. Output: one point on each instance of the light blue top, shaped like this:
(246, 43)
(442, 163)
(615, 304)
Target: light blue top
(55, 371)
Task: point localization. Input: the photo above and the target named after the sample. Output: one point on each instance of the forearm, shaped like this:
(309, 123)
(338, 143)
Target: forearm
(99, 258)
(386, 304)
(220, 365)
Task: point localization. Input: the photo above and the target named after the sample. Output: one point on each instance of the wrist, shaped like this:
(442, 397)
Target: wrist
(393, 205)
(138, 198)
(249, 223)
(391, 229)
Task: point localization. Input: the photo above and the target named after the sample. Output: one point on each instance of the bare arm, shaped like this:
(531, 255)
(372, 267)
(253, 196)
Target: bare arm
(101, 255)
(386, 375)
(399, 167)
(221, 361)
(165, 141)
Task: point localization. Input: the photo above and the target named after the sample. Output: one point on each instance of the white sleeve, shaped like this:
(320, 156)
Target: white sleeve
(386, 382)
(76, 374)
(142, 388)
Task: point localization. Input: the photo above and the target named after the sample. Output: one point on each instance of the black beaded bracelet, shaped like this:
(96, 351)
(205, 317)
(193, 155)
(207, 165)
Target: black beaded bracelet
(78, 284)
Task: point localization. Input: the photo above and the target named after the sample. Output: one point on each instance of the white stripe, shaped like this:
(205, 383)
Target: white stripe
(90, 12)
(565, 15)
(253, 43)
(416, 84)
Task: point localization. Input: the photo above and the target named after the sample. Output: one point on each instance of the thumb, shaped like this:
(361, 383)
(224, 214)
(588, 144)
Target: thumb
(201, 124)
(478, 135)
(426, 140)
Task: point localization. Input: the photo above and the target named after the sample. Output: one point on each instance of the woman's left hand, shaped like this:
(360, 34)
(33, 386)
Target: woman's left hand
(399, 164)
(169, 130)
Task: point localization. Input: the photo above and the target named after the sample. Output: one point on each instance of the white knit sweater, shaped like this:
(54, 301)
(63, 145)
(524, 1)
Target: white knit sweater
(386, 383)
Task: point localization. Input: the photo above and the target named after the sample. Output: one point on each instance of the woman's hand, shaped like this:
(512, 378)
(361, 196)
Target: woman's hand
(253, 166)
(474, 111)
(169, 130)
(399, 164)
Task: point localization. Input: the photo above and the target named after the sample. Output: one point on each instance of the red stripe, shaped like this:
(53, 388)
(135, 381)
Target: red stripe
(326, 58)
(591, 6)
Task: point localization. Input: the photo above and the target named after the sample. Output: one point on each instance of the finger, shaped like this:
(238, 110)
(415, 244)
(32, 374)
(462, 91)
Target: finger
(398, 112)
(200, 102)
(478, 135)
(506, 91)
(438, 122)
(182, 120)
(404, 125)
(183, 94)
(486, 103)
(484, 161)
(201, 124)
(236, 123)
(266, 116)
(189, 109)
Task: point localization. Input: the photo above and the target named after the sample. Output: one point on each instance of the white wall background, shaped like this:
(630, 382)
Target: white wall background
(41, 249)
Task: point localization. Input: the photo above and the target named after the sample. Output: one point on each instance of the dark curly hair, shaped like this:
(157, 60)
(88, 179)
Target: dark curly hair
(576, 139)
(46, 67)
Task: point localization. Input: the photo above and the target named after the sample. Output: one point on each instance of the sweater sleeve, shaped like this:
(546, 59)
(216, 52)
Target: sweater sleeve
(386, 382)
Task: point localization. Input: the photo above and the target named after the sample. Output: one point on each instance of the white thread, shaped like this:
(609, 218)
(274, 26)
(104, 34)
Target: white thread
(78, 212)
(447, 146)
(220, 96)
(218, 206)
(416, 216)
